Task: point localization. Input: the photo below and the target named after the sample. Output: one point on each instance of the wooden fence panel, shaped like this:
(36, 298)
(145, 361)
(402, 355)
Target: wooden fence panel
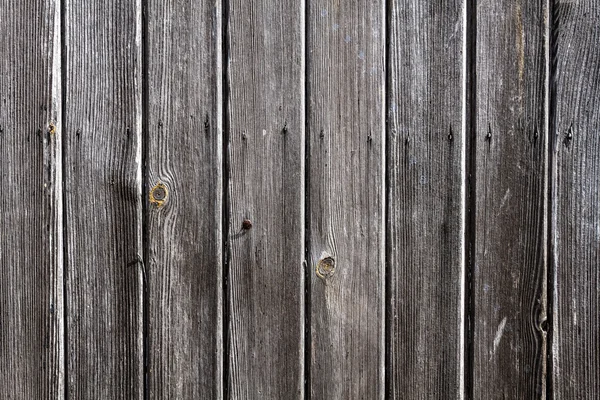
(576, 206)
(31, 261)
(510, 141)
(273, 199)
(346, 84)
(184, 190)
(265, 124)
(426, 199)
(103, 199)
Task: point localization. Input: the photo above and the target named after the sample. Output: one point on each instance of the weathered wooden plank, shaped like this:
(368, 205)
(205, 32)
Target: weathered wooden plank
(346, 193)
(103, 199)
(31, 253)
(184, 184)
(266, 189)
(510, 194)
(575, 210)
(426, 195)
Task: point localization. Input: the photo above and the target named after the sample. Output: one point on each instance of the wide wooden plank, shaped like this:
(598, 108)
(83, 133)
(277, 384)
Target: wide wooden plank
(265, 128)
(31, 250)
(184, 191)
(509, 192)
(103, 199)
(575, 211)
(426, 195)
(346, 83)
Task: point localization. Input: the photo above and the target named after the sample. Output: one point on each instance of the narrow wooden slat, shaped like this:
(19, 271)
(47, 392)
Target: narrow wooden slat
(266, 171)
(184, 185)
(426, 199)
(510, 194)
(103, 199)
(346, 42)
(576, 211)
(31, 260)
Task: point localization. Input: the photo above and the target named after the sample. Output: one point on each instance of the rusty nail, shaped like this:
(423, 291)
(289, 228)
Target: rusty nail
(246, 224)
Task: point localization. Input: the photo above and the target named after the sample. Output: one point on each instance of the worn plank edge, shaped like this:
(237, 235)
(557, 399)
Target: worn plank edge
(547, 309)
(221, 162)
(139, 100)
(58, 104)
(552, 173)
(225, 203)
(144, 129)
(466, 89)
(387, 284)
(469, 188)
(306, 160)
(221, 188)
(305, 280)
(383, 240)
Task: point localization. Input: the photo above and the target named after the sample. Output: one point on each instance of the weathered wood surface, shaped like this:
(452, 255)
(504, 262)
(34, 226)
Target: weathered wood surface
(155, 247)
(576, 212)
(346, 83)
(31, 261)
(184, 195)
(265, 122)
(426, 167)
(510, 143)
(103, 199)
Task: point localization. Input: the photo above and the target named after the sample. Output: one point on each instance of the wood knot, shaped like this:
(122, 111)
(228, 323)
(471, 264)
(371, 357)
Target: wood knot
(326, 267)
(158, 195)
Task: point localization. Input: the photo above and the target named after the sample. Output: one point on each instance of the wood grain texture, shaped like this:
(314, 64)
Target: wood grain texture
(346, 82)
(266, 188)
(103, 199)
(31, 260)
(575, 212)
(426, 194)
(185, 352)
(510, 193)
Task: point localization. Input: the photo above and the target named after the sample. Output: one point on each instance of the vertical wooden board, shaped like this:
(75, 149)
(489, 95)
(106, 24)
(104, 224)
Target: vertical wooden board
(426, 194)
(510, 194)
(576, 212)
(103, 199)
(184, 184)
(266, 189)
(346, 60)
(31, 261)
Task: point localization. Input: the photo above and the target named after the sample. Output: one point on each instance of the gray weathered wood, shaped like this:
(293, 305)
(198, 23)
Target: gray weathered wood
(346, 211)
(266, 188)
(103, 199)
(184, 238)
(493, 195)
(31, 261)
(426, 194)
(510, 193)
(576, 210)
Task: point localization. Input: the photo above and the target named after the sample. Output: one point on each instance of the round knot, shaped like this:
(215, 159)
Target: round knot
(326, 267)
(158, 195)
